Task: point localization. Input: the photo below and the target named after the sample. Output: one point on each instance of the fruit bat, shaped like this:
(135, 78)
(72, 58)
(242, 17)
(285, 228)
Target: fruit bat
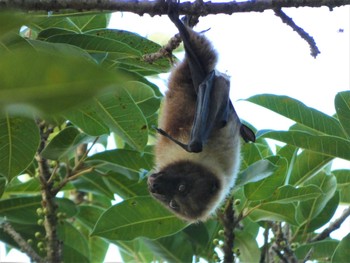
(192, 179)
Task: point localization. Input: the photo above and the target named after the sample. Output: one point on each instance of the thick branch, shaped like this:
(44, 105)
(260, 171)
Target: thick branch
(227, 219)
(54, 252)
(160, 7)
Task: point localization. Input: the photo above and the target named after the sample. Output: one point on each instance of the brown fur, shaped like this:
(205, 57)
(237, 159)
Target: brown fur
(210, 173)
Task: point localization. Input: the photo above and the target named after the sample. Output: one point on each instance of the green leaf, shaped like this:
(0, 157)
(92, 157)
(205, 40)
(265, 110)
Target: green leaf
(11, 21)
(274, 212)
(19, 141)
(327, 145)
(90, 22)
(133, 63)
(75, 246)
(321, 250)
(124, 187)
(306, 165)
(93, 183)
(136, 251)
(120, 112)
(17, 187)
(299, 112)
(263, 189)
(95, 44)
(32, 81)
(342, 106)
(287, 194)
(65, 143)
(89, 214)
(248, 247)
(87, 119)
(130, 163)
(323, 217)
(343, 184)
(342, 252)
(138, 216)
(327, 183)
(23, 209)
(175, 248)
(256, 172)
(2, 185)
(77, 22)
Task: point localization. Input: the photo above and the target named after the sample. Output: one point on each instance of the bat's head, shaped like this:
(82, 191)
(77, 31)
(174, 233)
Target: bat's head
(186, 188)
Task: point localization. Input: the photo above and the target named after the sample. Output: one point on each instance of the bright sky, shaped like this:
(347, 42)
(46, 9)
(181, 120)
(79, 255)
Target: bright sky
(263, 55)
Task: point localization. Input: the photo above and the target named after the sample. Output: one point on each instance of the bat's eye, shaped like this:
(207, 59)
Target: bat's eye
(182, 188)
(173, 205)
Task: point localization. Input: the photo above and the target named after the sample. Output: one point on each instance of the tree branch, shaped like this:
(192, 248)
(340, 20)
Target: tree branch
(53, 247)
(160, 7)
(309, 39)
(333, 226)
(227, 219)
(25, 247)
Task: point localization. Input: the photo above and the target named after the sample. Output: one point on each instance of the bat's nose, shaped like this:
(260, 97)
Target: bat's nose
(152, 185)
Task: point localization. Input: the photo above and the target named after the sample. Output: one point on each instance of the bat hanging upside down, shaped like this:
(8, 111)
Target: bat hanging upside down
(193, 179)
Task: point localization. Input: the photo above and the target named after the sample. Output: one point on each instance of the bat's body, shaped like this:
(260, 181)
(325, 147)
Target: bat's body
(192, 179)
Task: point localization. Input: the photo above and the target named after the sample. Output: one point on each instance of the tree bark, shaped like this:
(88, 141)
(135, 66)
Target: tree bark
(160, 7)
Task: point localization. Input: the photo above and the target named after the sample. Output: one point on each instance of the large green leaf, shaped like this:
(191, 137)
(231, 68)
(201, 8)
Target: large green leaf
(138, 216)
(299, 112)
(342, 106)
(122, 115)
(327, 145)
(19, 140)
(130, 163)
(49, 83)
(342, 252)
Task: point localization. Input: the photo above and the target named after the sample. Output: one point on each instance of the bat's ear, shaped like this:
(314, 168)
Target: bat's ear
(247, 134)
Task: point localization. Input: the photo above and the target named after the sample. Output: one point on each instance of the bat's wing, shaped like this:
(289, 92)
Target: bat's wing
(213, 111)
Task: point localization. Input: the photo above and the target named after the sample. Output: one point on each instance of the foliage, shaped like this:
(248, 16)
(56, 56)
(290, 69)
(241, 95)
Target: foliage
(67, 83)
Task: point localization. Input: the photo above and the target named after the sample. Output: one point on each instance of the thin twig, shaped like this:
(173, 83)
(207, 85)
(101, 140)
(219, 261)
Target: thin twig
(24, 246)
(302, 33)
(332, 226)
